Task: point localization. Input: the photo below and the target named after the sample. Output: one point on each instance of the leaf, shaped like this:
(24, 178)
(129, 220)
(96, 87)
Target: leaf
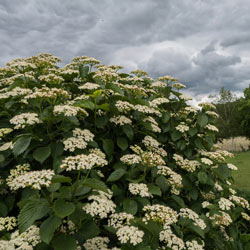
(97, 93)
(130, 206)
(198, 143)
(48, 227)
(2, 158)
(114, 87)
(165, 117)
(176, 135)
(108, 146)
(21, 145)
(41, 154)
(104, 106)
(196, 229)
(33, 210)
(84, 70)
(154, 189)
(89, 230)
(181, 145)
(202, 120)
(101, 121)
(128, 131)
(116, 175)
(192, 131)
(193, 194)
(3, 209)
(96, 184)
(81, 190)
(161, 181)
(202, 177)
(64, 241)
(63, 208)
(178, 200)
(85, 104)
(122, 143)
(60, 178)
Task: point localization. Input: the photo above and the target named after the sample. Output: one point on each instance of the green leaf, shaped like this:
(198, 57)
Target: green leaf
(154, 189)
(48, 227)
(63, 208)
(33, 210)
(114, 87)
(95, 184)
(165, 117)
(193, 194)
(122, 143)
(85, 104)
(192, 131)
(64, 241)
(104, 106)
(181, 145)
(198, 143)
(2, 158)
(101, 121)
(202, 120)
(21, 145)
(202, 177)
(84, 70)
(3, 209)
(196, 229)
(60, 178)
(82, 190)
(41, 154)
(161, 181)
(116, 175)
(178, 200)
(128, 131)
(108, 146)
(176, 135)
(89, 230)
(97, 93)
(130, 206)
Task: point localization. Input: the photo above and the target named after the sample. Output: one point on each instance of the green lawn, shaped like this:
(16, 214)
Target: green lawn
(242, 176)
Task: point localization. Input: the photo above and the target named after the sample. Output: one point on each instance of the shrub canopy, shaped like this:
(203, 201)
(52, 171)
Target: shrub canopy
(91, 158)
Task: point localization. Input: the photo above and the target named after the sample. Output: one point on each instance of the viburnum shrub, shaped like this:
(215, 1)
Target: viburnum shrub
(96, 159)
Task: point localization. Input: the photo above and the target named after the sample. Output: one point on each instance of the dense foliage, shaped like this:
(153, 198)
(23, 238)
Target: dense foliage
(96, 159)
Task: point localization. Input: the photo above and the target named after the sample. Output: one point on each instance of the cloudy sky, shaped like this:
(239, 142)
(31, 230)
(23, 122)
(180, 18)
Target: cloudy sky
(203, 43)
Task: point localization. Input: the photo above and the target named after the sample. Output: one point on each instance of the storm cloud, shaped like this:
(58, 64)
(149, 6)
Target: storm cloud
(204, 43)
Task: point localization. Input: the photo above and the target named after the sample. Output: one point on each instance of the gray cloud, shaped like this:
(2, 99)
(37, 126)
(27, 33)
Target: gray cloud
(204, 43)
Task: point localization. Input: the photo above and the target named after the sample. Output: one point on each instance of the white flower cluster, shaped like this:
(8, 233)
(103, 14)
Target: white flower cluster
(167, 78)
(182, 127)
(7, 223)
(79, 140)
(5, 131)
(190, 214)
(68, 110)
(17, 91)
(158, 84)
(212, 113)
(208, 196)
(240, 201)
(117, 220)
(139, 189)
(194, 245)
(191, 109)
(206, 161)
(81, 162)
(134, 88)
(25, 119)
(131, 159)
(124, 107)
(186, 164)
(225, 204)
(205, 204)
(179, 85)
(33, 179)
(101, 205)
(159, 213)
(24, 241)
(51, 78)
(147, 110)
(157, 102)
(97, 243)
(89, 86)
(120, 120)
(5, 146)
(185, 97)
(174, 179)
(245, 216)
(231, 166)
(222, 219)
(153, 123)
(45, 92)
(106, 74)
(68, 226)
(170, 239)
(130, 234)
(211, 128)
(153, 145)
(207, 105)
(216, 156)
(218, 187)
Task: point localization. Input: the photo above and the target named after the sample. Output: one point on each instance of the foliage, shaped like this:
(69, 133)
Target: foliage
(96, 159)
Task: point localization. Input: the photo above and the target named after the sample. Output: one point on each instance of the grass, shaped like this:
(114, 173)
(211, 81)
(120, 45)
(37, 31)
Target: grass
(242, 176)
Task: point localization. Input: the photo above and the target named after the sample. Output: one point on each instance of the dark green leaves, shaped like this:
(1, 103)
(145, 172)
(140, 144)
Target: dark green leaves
(122, 143)
(202, 120)
(130, 206)
(108, 146)
(176, 135)
(202, 177)
(128, 130)
(41, 154)
(154, 189)
(84, 70)
(116, 175)
(48, 227)
(33, 210)
(63, 208)
(21, 144)
(96, 184)
(64, 241)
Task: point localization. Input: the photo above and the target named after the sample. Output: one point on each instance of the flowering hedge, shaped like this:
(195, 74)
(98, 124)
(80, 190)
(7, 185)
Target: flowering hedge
(91, 158)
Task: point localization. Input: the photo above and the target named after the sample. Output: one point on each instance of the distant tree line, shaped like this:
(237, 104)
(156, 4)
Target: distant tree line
(234, 114)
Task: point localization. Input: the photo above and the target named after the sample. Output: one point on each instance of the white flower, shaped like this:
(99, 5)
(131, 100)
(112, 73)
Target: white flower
(194, 245)
(131, 159)
(25, 119)
(7, 223)
(100, 205)
(240, 201)
(206, 161)
(139, 189)
(182, 127)
(68, 110)
(97, 243)
(212, 128)
(124, 107)
(120, 219)
(225, 204)
(222, 219)
(179, 85)
(120, 120)
(207, 105)
(5, 146)
(158, 101)
(130, 234)
(89, 86)
(231, 166)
